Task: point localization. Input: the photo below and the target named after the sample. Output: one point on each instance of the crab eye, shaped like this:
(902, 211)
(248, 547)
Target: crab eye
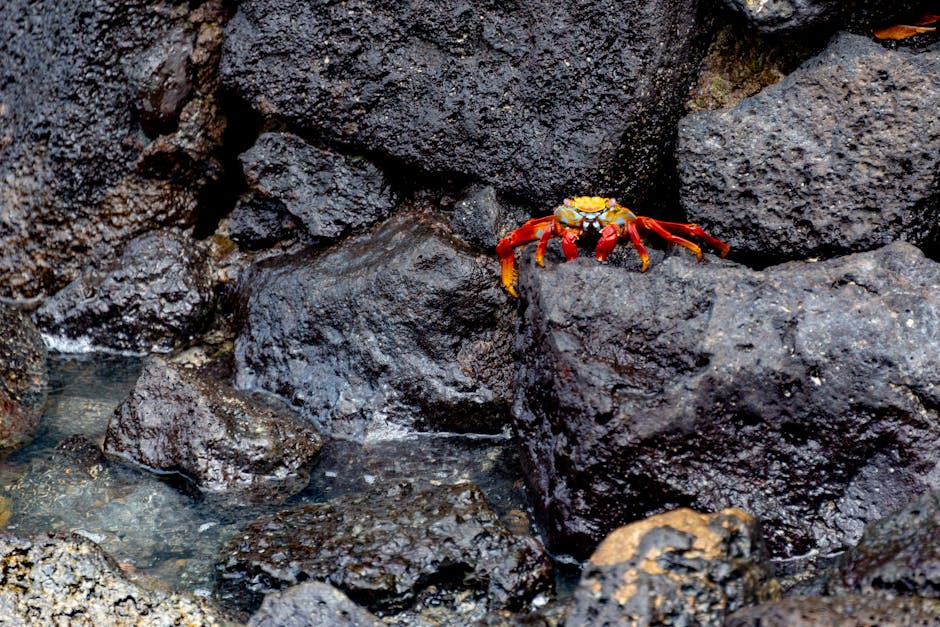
(611, 202)
(567, 202)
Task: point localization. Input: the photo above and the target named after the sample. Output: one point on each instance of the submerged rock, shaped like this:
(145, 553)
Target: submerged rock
(156, 296)
(585, 97)
(311, 603)
(392, 331)
(23, 378)
(80, 87)
(806, 393)
(677, 568)
(780, 179)
(228, 443)
(393, 549)
(50, 579)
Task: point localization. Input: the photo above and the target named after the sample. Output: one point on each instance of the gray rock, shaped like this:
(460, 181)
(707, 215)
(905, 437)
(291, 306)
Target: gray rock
(840, 611)
(78, 85)
(389, 332)
(899, 554)
(55, 580)
(329, 194)
(581, 100)
(677, 568)
(156, 296)
(840, 156)
(311, 604)
(23, 378)
(481, 217)
(770, 16)
(807, 394)
(226, 442)
(393, 549)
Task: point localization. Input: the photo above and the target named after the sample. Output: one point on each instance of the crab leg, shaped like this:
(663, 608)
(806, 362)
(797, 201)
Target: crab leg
(659, 229)
(532, 230)
(694, 230)
(612, 234)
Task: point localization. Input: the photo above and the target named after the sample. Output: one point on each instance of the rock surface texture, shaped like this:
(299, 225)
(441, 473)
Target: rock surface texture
(394, 330)
(23, 378)
(54, 580)
(311, 603)
(156, 296)
(676, 568)
(584, 97)
(109, 127)
(226, 442)
(841, 611)
(393, 549)
(840, 156)
(805, 394)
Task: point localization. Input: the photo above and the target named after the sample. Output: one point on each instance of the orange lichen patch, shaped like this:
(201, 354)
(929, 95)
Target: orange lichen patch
(623, 543)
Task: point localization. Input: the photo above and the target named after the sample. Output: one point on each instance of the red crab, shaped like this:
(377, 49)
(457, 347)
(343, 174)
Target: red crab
(594, 214)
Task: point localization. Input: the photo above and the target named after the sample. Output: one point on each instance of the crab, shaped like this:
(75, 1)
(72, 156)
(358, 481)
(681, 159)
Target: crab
(594, 214)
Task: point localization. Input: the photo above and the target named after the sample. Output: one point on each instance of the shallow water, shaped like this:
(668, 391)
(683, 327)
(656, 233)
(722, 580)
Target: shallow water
(172, 536)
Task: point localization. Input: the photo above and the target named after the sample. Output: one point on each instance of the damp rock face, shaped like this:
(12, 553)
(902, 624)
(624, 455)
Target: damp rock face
(229, 444)
(806, 393)
(156, 296)
(328, 193)
(840, 156)
(110, 128)
(23, 377)
(589, 92)
(52, 580)
(395, 330)
(897, 555)
(676, 568)
(770, 16)
(393, 549)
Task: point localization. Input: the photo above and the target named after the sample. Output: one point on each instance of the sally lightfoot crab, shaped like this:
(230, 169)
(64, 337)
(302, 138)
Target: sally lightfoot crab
(586, 214)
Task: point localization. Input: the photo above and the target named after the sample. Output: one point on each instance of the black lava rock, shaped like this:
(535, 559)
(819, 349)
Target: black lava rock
(841, 156)
(226, 442)
(806, 394)
(395, 330)
(392, 549)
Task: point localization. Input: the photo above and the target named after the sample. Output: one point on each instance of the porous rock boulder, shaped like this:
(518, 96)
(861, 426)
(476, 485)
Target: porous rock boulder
(806, 394)
(773, 16)
(68, 580)
(676, 568)
(393, 549)
(228, 443)
(328, 193)
(394, 330)
(23, 378)
(840, 156)
(849, 610)
(156, 296)
(588, 92)
(110, 128)
(311, 603)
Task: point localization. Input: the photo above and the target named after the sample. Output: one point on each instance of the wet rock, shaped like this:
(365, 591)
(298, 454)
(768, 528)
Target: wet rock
(588, 92)
(23, 378)
(330, 194)
(841, 611)
(78, 178)
(677, 568)
(899, 554)
(156, 296)
(258, 223)
(392, 331)
(806, 393)
(226, 442)
(481, 218)
(791, 15)
(393, 549)
(779, 179)
(50, 579)
(311, 603)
